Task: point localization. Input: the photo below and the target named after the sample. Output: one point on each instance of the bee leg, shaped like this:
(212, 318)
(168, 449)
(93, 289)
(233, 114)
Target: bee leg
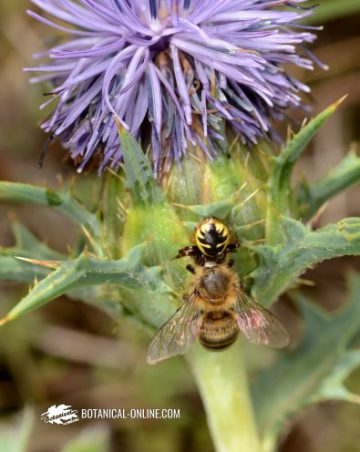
(190, 269)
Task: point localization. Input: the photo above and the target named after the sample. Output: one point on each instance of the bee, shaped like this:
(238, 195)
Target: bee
(216, 307)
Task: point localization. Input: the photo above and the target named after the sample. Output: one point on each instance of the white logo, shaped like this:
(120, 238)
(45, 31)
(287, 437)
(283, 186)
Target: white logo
(60, 415)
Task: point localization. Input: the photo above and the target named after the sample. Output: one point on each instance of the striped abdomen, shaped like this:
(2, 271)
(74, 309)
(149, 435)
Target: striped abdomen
(219, 330)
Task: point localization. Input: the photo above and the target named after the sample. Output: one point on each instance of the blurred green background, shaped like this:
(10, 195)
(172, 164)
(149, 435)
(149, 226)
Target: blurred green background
(72, 353)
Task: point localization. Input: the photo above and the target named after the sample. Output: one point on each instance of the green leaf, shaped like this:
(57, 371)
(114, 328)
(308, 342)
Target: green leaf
(139, 176)
(12, 269)
(281, 265)
(28, 246)
(313, 195)
(315, 370)
(31, 246)
(279, 187)
(333, 387)
(64, 203)
(84, 271)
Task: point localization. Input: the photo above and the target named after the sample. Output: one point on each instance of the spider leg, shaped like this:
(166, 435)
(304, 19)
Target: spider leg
(232, 247)
(188, 251)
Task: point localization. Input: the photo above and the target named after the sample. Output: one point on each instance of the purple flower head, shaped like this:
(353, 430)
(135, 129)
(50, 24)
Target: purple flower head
(172, 70)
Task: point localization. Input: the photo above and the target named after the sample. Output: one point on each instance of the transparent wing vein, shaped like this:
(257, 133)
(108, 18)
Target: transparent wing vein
(259, 325)
(177, 334)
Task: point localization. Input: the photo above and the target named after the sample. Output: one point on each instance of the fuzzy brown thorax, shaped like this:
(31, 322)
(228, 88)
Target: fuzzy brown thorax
(214, 284)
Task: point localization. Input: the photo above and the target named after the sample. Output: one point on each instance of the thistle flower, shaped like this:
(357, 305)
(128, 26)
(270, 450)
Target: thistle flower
(177, 69)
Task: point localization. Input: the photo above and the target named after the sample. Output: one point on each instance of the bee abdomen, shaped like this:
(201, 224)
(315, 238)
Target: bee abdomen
(218, 333)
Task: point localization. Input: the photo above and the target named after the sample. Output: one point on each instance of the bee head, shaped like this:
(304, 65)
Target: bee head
(212, 237)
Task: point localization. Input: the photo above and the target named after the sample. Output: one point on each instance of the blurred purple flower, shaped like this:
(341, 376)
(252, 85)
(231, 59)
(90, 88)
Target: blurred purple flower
(176, 67)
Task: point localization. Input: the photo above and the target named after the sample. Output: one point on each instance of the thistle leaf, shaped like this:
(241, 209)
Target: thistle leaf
(313, 195)
(27, 246)
(59, 201)
(11, 269)
(332, 387)
(279, 187)
(281, 265)
(284, 163)
(84, 272)
(316, 370)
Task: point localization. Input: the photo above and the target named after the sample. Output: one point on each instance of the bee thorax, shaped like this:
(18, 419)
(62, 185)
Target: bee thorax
(214, 284)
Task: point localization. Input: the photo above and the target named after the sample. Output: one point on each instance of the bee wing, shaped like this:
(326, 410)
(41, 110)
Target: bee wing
(259, 325)
(177, 334)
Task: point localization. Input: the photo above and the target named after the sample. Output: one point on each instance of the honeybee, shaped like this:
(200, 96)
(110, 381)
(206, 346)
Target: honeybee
(216, 307)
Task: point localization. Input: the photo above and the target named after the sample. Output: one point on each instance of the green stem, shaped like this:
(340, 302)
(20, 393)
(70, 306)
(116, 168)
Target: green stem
(222, 381)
